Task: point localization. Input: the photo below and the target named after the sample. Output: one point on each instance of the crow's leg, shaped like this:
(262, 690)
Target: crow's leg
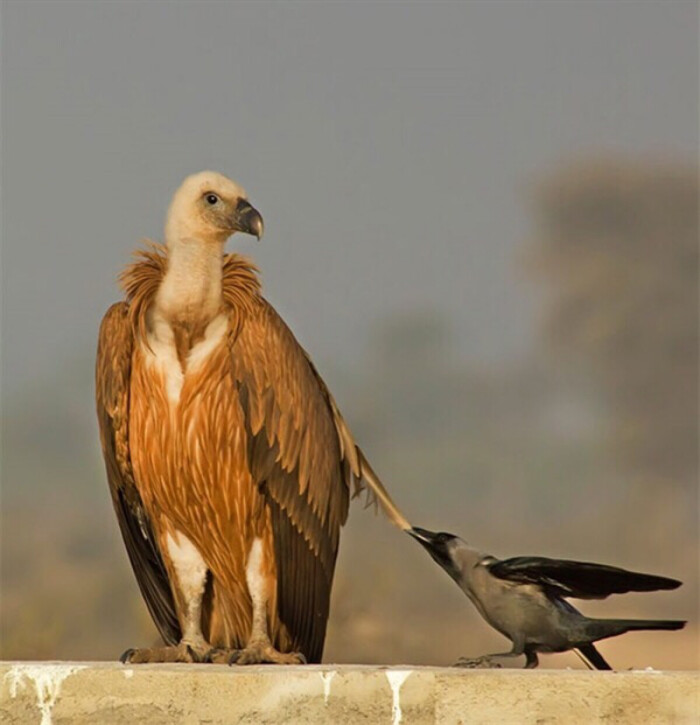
(531, 659)
(592, 656)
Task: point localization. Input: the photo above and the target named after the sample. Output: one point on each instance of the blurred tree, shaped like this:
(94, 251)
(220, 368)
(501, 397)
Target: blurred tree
(412, 377)
(617, 243)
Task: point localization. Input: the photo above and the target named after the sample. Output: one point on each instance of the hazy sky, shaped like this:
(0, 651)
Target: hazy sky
(387, 145)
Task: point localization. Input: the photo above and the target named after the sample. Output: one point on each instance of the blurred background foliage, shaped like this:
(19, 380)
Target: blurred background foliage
(587, 448)
(618, 251)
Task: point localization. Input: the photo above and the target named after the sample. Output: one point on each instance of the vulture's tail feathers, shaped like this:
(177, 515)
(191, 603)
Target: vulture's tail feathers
(377, 492)
(357, 467)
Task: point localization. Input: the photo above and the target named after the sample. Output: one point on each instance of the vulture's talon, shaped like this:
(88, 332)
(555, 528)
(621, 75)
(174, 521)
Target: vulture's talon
(182, 653)
(195, 656)
(125, 657)
(265, 654)
(235, 656)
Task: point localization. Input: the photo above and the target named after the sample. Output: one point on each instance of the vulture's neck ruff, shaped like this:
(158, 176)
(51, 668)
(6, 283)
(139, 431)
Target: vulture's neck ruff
(143, 280)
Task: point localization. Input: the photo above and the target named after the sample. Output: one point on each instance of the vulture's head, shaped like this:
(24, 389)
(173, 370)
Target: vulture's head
(210, 207)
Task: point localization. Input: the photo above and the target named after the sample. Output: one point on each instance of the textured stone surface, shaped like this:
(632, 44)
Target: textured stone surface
(56, 693)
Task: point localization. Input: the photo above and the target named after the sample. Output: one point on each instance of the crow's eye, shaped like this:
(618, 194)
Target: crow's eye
(212, 199)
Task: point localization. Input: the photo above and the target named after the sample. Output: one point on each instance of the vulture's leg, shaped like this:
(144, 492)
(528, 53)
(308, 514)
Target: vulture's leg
(259, 649)
(191, 576)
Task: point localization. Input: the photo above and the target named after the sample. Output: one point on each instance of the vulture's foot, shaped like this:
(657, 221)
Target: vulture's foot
(183, 652)
(220, 655)
(263, 653)
(477, 663)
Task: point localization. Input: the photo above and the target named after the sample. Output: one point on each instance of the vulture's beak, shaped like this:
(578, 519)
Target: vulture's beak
(247, 219)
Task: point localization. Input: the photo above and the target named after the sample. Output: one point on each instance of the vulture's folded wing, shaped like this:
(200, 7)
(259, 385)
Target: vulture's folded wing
(578, 579)
(302, 466)
(113, 374)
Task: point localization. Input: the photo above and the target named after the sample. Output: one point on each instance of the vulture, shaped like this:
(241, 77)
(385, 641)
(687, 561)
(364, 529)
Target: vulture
(229, 464)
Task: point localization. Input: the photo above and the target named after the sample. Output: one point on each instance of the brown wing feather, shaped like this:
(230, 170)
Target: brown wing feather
(295, 457)
(113, 374)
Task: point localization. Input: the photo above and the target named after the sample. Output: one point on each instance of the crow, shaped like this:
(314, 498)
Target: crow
(525, 598)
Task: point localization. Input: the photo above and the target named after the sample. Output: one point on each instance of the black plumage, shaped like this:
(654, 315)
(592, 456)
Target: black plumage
(579, 579)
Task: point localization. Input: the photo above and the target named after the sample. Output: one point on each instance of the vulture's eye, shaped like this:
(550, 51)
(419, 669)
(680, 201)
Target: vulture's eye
(212, 199)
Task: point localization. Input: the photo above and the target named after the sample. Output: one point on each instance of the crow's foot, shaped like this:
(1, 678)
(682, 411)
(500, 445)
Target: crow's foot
(485, 662)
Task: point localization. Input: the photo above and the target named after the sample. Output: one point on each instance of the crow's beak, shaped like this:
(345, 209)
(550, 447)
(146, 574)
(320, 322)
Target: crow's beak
(425, 537)
(247, 219)
(438, 546)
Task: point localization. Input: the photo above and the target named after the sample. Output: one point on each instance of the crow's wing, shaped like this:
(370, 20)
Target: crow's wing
(579, 579)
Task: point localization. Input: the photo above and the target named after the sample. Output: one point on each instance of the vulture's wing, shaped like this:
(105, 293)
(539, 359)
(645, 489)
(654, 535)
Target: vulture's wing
(578, 579)
(112, 391)
(304, 460)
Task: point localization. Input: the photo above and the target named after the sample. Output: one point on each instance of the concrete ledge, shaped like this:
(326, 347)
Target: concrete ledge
(106, 693)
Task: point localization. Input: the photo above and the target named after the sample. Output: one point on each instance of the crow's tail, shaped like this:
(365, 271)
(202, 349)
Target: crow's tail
(602, 628)
(631, 624)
